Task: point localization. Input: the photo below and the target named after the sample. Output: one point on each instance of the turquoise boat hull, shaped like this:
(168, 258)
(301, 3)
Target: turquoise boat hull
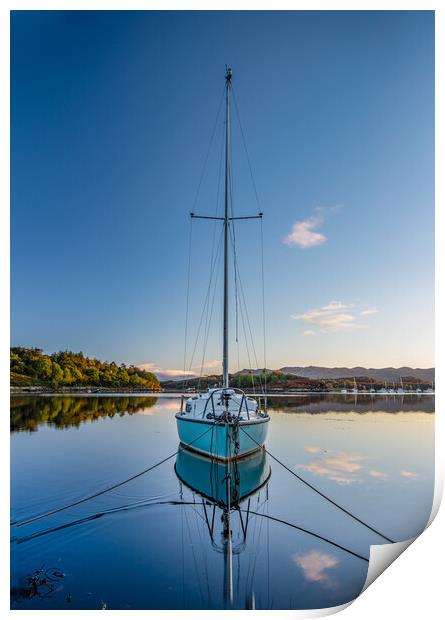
(222, 441)
(208, 478)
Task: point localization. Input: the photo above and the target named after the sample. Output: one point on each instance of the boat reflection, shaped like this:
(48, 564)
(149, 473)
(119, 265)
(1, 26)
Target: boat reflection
(224, 487)
(208, 477)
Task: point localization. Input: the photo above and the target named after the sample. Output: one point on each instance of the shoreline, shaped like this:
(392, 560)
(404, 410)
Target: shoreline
(40, 389)
(46, 391)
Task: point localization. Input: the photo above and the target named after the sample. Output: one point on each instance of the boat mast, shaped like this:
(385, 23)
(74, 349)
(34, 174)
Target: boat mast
(226, 236)
(226, 220)
(228, 572)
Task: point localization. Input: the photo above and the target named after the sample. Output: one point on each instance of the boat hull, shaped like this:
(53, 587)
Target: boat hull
(219, 441)
(203, 475)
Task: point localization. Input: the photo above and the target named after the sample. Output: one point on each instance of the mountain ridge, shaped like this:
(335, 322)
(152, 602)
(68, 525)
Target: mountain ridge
(388, 373)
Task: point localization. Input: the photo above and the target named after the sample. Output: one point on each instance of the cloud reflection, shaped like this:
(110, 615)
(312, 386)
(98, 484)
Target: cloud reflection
(408, 474)
(341, 467)
(315, 564)
(378, 474)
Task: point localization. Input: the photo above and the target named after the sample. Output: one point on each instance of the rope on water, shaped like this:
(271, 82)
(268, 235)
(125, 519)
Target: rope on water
(302, 529)
(111, 488)
(350, 514)
(97, 515)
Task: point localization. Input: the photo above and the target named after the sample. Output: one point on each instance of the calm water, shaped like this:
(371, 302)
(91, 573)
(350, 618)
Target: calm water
(150, 544)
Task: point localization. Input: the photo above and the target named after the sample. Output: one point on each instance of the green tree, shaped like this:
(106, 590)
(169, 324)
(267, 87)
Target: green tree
(57, 375)
(44, 368)
(67, 376)
(92, 376)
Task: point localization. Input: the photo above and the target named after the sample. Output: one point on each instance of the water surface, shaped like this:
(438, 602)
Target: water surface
(149, 544)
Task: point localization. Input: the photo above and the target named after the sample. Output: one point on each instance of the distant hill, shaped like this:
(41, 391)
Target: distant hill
(314, 374)
(322, 379)
(253, 371)
(378, 374)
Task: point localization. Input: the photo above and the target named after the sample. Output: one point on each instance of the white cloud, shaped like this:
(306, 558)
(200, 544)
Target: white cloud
(174, 373)
(302, 233)
(335, 316)
(369, 311)
(336, 305)
(213, 364)
(165, 373)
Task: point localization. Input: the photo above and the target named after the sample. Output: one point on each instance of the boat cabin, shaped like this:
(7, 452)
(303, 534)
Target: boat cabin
(216, 401)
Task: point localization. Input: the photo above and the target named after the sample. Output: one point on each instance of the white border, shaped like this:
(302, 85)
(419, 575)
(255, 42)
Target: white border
(413, 586)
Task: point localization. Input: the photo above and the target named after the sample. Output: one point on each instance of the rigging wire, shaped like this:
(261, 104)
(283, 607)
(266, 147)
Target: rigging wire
(233, 242)
(192, 546)
(215, 223)
(313, 488)
(232, 234)
(263, 305)
(243, 299)
(236, 316)
(232, 231)
(238, 115)
(209, 316)
(206, 298)
(182, 552)
(246, 151)
(248, 351)
(246, 313)
(256, 553)
(187, 300)
(268, 547)
(195, 202)
(235, 267)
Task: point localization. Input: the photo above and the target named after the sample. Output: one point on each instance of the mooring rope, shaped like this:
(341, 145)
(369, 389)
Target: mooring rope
(302, 529)
(308, 484)
(110, 488)
(97, 515)
(145, 504)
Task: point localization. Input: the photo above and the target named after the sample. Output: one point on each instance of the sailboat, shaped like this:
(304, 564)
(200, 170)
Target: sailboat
(430, 390)
(224, 423)
(354, 389)
(383, 389)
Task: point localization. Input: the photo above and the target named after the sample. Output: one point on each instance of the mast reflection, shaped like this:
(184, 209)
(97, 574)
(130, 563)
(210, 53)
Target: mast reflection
(224, 487)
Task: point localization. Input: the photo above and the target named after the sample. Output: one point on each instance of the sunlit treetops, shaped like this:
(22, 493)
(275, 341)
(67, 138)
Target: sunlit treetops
(65, 368)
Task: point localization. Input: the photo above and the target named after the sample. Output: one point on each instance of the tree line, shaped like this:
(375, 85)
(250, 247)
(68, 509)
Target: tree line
(30, 366)
(276, 380)
(27, 413)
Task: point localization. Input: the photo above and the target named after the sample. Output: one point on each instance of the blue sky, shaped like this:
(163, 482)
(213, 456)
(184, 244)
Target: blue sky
(111, 116)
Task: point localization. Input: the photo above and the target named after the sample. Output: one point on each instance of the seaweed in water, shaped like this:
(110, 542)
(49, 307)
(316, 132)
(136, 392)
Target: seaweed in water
(42, 583)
